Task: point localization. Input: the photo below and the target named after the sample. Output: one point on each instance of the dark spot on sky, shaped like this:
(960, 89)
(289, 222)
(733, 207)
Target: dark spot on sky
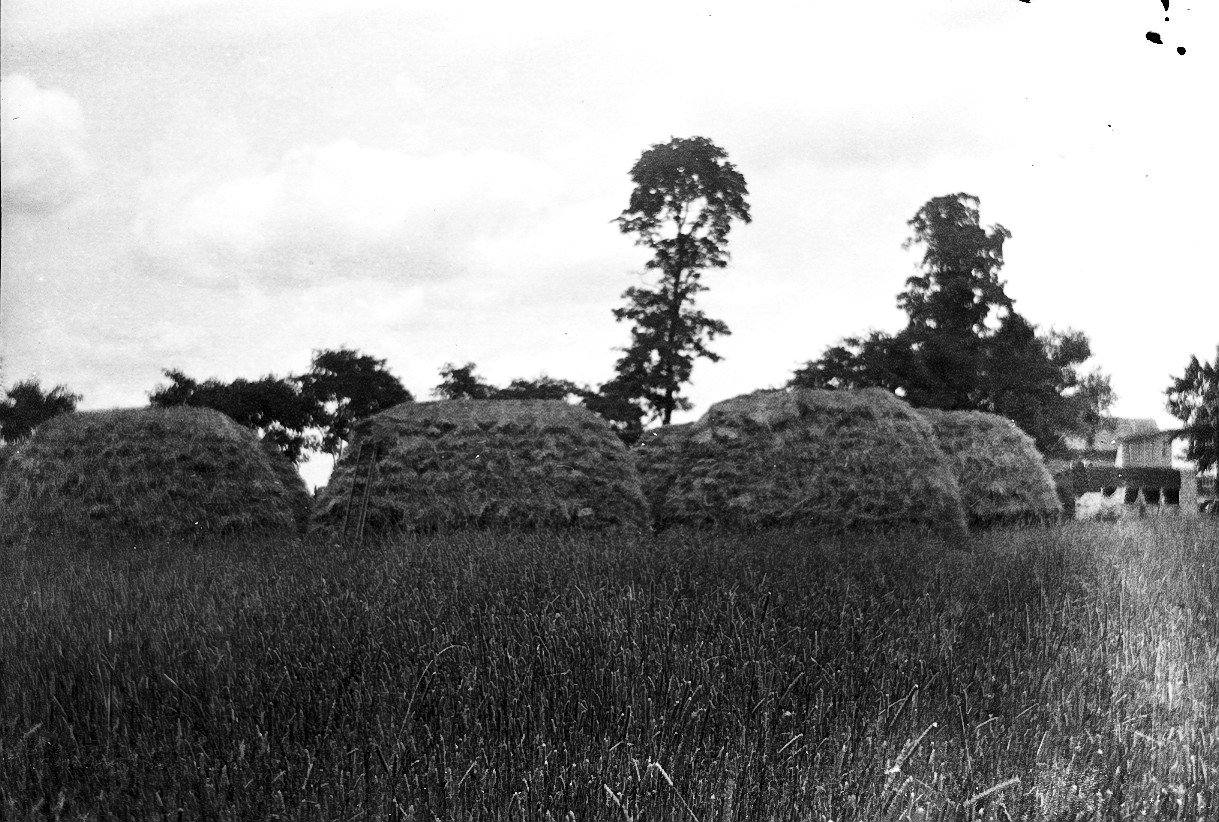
(1154, 37)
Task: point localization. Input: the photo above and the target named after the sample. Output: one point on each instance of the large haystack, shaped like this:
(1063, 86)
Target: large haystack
(835, 459)
(488, 464)
(147, 472)
(1002, 475)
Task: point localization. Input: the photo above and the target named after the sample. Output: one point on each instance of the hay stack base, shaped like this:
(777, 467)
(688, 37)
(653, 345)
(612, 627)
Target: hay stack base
(1003, 478)
(487, 464)
(147, 472)
(833, 459)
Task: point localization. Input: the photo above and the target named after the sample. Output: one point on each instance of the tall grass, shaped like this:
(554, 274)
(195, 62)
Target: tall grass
(1066, 673)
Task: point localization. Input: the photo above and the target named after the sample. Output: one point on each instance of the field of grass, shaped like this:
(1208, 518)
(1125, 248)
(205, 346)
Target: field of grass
(1053, 673)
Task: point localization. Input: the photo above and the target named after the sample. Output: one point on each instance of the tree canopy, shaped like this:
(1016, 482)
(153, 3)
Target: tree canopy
(25, 406)
(541, 388)
(277, 409)
(310, 412)
(461, 383)
(965, 347)
(347, 386)
(687, 195)
(1193, 398)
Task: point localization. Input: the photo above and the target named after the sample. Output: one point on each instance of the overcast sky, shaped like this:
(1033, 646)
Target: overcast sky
(223, 187)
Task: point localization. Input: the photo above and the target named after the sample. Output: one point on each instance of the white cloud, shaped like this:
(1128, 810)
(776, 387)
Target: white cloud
(38, 19)
(342, 210)
(42, 131)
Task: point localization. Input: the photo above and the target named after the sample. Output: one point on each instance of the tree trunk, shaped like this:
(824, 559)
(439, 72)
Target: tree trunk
(668, 355)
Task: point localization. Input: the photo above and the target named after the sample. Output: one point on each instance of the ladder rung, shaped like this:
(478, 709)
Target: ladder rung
(372, 466)
(361, 487)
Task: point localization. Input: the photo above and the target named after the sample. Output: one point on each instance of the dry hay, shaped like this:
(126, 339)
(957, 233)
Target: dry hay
(834, 459)
(657, 456)
(488, 464)
(1002, 475)
(147, 472)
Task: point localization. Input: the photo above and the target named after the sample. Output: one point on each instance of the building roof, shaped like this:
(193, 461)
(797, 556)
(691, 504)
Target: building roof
(1116, 429)
(1151, 435)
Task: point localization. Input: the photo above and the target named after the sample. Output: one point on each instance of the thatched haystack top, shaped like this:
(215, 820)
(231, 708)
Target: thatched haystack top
(839, 459)
(488, 463)
(1002, 475)
(497, 413)
(780, 409)
(148, 472)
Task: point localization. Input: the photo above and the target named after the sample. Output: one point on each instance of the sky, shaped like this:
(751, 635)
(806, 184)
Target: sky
(225, 186)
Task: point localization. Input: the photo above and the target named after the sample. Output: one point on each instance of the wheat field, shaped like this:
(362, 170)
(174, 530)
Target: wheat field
(1060, 673)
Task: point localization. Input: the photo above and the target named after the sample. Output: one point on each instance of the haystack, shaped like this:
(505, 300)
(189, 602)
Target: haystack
(487, 464)
(147, 472)
(658, 459)
(1002, 475)
(834, 459)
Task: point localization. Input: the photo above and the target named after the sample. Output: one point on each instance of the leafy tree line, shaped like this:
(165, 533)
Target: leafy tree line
(316, 411)
(341, 387)
(26, 405)
(965, 346)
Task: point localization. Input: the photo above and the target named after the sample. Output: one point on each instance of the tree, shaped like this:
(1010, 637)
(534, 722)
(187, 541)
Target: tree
(686, 196)
(275, 408)
(27, 406)
(965, 347)
(1035, 381)
(1193, 398)
(461, 383)
(1094, 397)
(347, 386)
(951, 299)
(614, 402)
(879, 360)
(541, 388)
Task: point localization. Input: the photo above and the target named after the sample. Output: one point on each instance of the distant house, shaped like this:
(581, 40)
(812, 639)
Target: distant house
(1152, 449)
(1102, 447)
(1135, 457)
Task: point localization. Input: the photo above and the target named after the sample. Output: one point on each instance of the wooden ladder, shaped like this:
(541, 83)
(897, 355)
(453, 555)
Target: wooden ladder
(362, 476)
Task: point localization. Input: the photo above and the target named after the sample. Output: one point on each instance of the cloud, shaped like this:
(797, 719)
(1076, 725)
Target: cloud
(342, 210)
(44, 161)
(38, 19)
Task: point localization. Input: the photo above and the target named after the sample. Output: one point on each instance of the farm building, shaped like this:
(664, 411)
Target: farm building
(147, 472)
(834, 459)
(1149, 449)
(485, 464)
(1141, 474)
(1102, 446)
